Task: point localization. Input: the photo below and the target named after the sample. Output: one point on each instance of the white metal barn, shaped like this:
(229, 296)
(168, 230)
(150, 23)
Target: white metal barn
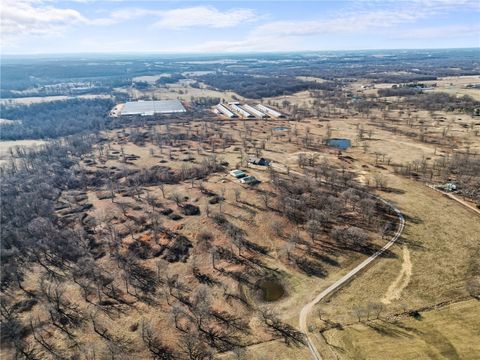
(235, 106)
(269, 111)
(225, 111)
(254, 111)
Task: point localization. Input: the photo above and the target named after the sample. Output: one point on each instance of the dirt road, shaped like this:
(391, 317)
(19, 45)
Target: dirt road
(453, 197)
(337, 284)
(306, 309)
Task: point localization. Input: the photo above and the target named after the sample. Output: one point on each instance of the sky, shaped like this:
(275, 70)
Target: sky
(88, 26)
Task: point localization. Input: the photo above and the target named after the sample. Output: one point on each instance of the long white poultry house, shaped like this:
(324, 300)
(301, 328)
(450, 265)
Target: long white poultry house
(254, 111)
(223, 109)
(270, 112)
(235, 106)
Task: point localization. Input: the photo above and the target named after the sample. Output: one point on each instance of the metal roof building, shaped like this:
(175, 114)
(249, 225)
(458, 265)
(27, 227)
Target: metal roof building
(235, 106)
(225, 111)
(150, 108)
(254, 111)
(269, 111)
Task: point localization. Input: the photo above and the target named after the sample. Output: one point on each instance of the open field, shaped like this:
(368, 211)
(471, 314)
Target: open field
(438, 272)
(457, 85)
(40, 99)
(436, 334)
(181, 90)
(5, 147)
(439, 257)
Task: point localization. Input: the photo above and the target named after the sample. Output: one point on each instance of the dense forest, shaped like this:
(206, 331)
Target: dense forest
(399, 91)
(444, 101)
(256, 87)
(54, 119)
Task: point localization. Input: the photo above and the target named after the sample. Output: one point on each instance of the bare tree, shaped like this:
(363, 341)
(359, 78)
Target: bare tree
(289, 333)
(237, 194)
(313, 228)
(162, 189)
(154, 344)
(193, 348)
(204, 240)
(177, 198)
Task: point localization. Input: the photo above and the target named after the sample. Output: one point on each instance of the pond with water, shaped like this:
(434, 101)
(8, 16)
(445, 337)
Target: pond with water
(342, 144)
(280, 128)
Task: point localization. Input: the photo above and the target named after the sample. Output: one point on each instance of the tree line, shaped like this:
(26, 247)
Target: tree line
(54, 119)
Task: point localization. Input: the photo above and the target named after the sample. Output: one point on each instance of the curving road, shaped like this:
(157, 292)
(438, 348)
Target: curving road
(338, 284)
(307, 308)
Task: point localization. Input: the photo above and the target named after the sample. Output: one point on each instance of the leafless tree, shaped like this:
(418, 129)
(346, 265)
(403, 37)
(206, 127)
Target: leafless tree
(153, 343)
(313, 228)
(237, 194)
(193, 348)
(162, 189)
(289, 333)
(204, 240)
(177, 198)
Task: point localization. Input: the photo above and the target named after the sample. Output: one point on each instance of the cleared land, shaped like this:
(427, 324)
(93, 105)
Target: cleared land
(6, 146)
(40, 99)
(436, 334)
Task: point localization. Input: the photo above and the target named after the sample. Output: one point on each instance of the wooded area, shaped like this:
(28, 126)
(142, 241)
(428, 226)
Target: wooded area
(54, 119)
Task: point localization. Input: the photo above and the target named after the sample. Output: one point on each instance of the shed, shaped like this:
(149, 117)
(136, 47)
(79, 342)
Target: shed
(249, 180)
(238, 174)
(259, 161)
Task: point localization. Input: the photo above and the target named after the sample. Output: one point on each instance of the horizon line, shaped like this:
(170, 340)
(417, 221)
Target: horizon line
(228, 53)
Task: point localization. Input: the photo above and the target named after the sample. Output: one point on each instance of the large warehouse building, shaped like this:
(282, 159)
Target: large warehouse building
(150, 108)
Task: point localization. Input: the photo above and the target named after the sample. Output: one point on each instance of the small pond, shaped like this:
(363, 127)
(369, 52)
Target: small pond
(342, 144)
(280, 128)
(271, 289)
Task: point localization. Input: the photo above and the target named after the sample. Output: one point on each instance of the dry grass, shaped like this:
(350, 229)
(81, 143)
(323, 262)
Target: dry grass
(451, 332)
(40, 99)
(441, 237)
(181, 90)
(5, 147)
(457, 85)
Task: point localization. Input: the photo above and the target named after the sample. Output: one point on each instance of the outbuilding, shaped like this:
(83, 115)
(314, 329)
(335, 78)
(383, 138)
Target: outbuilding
(259, 161)
(238, 174)
(249, 180)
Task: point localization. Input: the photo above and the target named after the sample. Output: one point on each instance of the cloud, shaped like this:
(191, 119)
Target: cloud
(389, 21)
(368, 22)
(181, 18)
(367, 16)
(20, 18)
(27, 18)
(449, 4)
(123, 15)
(438, 32)
(349, 22)
(204, 16)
